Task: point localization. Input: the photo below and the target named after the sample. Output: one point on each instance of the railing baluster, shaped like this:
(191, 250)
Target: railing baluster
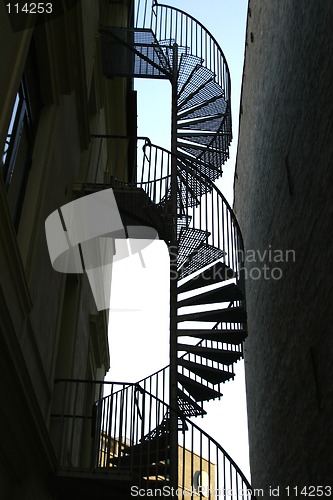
(136, 24)
(104, 412)
(224, 479)
(117, 426)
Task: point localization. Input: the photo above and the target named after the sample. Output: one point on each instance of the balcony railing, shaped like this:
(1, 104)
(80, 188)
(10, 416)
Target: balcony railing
(201, 205)
(125, 433)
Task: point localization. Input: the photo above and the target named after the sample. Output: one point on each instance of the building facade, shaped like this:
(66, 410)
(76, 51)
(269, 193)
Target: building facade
(53, 96)
(283, 201)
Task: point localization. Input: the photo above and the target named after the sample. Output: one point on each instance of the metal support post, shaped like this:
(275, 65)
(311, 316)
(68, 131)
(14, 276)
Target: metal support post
(173, 281)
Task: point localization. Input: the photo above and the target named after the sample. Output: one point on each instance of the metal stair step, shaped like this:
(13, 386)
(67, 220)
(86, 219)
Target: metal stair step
(205, 93)
(213, 148)
(141, 461)
(227, 293)
(192, 92)
(162, 220)
(188, 64)
(218, 150)
(229, 315)
(205, 255)
(190, 189)
(132, 52)
(213, 158)
(154, 450)
(216, 273)
(188, 406)
(149, 446)
(234, 337)
(196, 138)
(222, 356)
(183, 52)
(212, 375)
(195, 166)
(190, 82)
(216, 105)
(132, 204)
(189, 241)
(204, 123)
(191, 184)
(197, 169)
(198, 391)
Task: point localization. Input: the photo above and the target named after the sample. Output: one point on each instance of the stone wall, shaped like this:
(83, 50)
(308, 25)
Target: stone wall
(284, 203)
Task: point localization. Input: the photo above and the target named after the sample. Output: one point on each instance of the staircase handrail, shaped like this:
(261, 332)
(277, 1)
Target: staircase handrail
(204, 45)
(173, 36)
(201, 176)
(187, 422)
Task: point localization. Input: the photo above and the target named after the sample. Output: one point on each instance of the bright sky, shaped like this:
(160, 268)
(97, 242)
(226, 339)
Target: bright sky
(139, 315)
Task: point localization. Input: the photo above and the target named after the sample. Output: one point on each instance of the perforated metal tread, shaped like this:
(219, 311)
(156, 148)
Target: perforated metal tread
(192, 81)
(133, 52)
(208, 91)
(190, 240)
(188, 64)
(188, 406)
(191, 188)
(201, 123)
(205, 255)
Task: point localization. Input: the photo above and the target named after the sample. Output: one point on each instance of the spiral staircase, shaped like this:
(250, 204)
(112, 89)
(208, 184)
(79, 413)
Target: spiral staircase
(142, 434)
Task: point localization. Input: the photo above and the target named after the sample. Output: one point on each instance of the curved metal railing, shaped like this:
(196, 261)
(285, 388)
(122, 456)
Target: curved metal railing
(170, 23)
(149, 166)
(137, 441)
(174, 26)
(125, 433)
(214, 216)
(201, 205)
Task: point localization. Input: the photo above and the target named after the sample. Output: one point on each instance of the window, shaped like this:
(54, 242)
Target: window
(17, 154)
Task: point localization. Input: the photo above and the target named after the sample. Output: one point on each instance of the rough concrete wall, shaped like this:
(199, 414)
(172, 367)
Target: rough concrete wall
(284, 201)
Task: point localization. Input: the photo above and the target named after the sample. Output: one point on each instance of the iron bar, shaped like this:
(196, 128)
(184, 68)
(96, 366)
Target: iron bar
(173, 280)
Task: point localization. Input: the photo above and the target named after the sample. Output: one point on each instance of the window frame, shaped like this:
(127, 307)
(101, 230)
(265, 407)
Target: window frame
(21, 134)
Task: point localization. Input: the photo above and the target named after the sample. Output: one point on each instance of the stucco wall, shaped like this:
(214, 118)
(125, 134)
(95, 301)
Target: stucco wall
(283, 201)
(40, 338)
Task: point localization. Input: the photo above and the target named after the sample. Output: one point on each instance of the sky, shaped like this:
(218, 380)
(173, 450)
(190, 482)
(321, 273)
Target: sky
(139, 313)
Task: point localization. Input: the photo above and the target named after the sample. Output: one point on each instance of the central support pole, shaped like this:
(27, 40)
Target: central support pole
(173, 278)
